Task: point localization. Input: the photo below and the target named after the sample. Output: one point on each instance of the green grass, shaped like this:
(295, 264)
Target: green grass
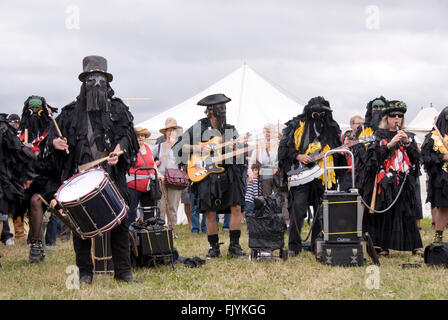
(300, 277)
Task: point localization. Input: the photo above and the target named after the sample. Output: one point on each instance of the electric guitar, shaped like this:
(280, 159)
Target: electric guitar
(305, 173)
(200, 166)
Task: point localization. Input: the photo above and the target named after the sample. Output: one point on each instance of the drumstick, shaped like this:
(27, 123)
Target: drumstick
(56, 125)
(64, 218)
(96, 162)
(372, 204)
(25, 139)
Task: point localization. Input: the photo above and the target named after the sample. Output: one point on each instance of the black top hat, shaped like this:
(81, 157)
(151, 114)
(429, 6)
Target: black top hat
(92, 64)
(213, 99)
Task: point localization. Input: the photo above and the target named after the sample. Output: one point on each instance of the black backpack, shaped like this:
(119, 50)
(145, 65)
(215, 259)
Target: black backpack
(436, 255)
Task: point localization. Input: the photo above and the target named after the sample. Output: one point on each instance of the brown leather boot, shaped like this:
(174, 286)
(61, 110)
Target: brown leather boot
(19, 228)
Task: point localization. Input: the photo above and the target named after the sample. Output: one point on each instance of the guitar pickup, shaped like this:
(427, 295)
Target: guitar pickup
(200, 173)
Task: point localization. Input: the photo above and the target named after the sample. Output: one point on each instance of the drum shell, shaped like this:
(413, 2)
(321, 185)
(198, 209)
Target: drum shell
(97, 212)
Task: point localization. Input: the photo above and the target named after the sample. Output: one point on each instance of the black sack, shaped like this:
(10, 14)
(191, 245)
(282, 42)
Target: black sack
(436, 255)
(267, 226)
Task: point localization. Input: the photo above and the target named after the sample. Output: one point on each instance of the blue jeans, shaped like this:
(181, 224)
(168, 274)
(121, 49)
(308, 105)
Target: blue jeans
(52, 227)
(195, 217)
(226, 223)
(249, 211)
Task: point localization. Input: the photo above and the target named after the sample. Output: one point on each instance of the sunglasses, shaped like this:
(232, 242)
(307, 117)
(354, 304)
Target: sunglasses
(394, 115)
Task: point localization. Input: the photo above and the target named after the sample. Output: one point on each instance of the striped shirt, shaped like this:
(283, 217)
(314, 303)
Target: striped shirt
(253, 190)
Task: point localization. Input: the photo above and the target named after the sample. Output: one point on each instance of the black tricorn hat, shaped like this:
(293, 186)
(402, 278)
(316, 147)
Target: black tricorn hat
(213, 99)
(92, 64)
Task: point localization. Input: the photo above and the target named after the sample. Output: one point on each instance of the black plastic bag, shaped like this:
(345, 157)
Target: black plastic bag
(267, 226)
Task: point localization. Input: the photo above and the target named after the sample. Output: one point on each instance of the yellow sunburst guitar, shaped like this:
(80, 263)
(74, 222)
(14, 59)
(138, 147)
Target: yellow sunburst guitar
(200, 166)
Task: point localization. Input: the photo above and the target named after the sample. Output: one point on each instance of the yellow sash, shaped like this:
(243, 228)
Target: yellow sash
(312, 147)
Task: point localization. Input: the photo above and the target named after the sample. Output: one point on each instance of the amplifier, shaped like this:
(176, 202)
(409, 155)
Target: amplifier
(342, 217)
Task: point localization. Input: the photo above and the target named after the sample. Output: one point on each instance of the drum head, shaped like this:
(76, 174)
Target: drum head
(80, 185)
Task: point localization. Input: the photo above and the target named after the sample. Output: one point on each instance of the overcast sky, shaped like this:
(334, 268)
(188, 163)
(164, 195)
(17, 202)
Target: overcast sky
(347, 51)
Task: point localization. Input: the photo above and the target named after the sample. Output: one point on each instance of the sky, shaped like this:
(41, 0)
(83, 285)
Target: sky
(346, 51)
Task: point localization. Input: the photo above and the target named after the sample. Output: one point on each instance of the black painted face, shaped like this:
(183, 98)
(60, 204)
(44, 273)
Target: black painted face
(96, 92)
(96, 79)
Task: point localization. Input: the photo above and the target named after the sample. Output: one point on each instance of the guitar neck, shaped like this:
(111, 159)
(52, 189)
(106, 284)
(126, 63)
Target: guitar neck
(233, 154)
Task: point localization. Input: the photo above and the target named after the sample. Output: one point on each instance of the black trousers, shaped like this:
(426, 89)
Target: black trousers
(120, 251)
(145, 201)
(299, 200)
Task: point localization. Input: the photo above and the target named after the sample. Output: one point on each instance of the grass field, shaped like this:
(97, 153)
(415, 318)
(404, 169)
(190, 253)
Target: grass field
(300, 277)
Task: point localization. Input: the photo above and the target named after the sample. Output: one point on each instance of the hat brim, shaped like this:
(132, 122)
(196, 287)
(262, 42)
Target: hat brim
(395, 109)
(83, 75)
(163, 130)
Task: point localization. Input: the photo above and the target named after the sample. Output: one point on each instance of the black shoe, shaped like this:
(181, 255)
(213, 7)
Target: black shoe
(235, 251)
(214, 251)
(127, 278)
(85, 278)
(37, 253)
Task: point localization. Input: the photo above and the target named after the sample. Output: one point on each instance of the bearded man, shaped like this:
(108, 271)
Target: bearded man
(313, 130)
(97, 124)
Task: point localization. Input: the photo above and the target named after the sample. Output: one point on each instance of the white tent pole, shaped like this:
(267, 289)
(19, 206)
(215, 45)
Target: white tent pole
(241, 94)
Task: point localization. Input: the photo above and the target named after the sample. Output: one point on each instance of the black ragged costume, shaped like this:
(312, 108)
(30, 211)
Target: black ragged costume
(219, 191)
(16, 166)
(35, 120)
(433, 151)
(371, 122)
(396, 228)
(304, 134)
(109, 127)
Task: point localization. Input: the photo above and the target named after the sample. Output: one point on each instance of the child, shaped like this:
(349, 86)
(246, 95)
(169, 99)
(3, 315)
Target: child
(253, 190)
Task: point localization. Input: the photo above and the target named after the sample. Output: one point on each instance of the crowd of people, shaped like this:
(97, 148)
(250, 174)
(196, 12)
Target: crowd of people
(39, 152)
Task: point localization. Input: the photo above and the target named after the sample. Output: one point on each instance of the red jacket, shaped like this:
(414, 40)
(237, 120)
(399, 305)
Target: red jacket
(143, 177)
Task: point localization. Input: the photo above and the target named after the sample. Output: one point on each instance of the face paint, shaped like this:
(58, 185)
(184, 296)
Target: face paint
(35, 107)
(96, 92)
(96, 80)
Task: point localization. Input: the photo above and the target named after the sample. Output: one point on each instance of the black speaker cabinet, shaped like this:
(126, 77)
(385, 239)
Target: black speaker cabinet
(102, 254)
(342, 217)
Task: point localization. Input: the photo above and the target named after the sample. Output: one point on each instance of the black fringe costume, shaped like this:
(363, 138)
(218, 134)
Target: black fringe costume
(219, 191)
(436, 168)
(396, 228)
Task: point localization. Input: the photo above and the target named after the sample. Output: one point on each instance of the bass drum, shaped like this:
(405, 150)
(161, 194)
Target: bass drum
(92, 203)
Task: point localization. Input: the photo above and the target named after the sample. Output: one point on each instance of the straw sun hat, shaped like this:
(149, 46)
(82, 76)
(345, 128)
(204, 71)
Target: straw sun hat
(140, 131)
(170, 123)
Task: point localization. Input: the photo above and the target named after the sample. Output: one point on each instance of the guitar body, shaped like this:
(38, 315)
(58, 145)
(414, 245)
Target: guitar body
(200, 166)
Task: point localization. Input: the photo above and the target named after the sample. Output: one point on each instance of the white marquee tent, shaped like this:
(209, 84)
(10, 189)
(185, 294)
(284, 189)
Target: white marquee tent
(423, 122)
(255, 102)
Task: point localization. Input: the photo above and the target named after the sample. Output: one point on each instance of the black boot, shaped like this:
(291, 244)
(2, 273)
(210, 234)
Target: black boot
(37, 253)
(235, 249)
(213, 251)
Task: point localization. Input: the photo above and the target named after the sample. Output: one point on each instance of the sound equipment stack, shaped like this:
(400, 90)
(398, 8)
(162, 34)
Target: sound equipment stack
(342, 243)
